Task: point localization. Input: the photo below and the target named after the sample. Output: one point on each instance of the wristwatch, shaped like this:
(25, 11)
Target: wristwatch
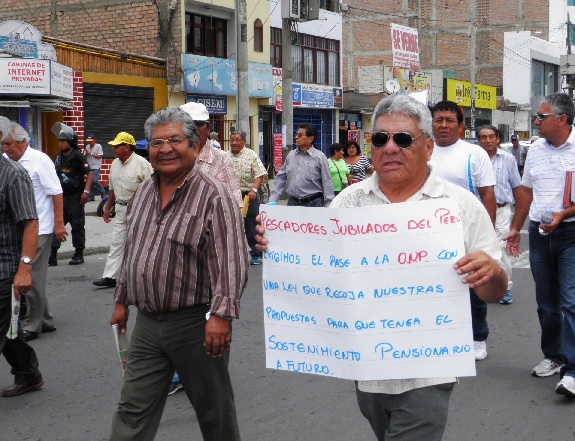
(255, 190)
(86, 191)
(26, 260)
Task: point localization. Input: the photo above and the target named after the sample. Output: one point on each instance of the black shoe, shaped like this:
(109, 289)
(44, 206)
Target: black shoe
(46, 328)
(29, 335)
(105, 282)
(19, 389)
(53, 260)
(77, 258)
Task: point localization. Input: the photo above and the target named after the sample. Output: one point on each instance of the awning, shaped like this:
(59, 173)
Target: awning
(363, 102)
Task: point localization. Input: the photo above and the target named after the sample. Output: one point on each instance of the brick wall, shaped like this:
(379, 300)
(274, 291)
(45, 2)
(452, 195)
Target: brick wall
(443, 43)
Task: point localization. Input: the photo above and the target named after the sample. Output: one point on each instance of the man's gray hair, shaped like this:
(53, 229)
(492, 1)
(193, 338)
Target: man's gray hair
(407, 106)
(17, 132)
(562, 104)
(241, 133)
(4, 127)
(169, 115)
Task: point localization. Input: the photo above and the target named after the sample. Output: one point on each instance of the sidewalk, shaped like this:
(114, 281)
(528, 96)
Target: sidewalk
(98, 234)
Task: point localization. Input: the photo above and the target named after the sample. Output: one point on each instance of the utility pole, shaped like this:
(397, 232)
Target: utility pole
(287, 79)
(570, 77)
(243, 98)
(472, 43)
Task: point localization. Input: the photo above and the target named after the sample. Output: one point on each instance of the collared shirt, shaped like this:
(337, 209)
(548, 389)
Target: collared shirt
(217, 163)
(544, 172)
(94, 163)
(506, 175)
(478, 234)
(46, 184)
(303, 175)
(16, 205)
(519, 153)
(248, 167)
(465, 165)
(191, 252)
(126, 177)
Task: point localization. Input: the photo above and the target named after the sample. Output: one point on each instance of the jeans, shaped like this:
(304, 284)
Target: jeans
(96, 186)
(250, 225)
(552, 260)
(478, 317)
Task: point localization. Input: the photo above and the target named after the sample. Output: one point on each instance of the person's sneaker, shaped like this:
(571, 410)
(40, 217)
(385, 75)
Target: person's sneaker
(566, 386)
(255, 260)
(19, 389)
(174, 387)
(507, 298)
(480, 348)
(546, 368)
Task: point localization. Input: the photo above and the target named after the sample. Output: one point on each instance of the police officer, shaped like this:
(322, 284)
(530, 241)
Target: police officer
(72, 168)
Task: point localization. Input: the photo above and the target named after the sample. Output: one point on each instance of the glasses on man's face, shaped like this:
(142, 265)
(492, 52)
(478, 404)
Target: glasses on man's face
(541, 116)
(159, 142)
(402, 139)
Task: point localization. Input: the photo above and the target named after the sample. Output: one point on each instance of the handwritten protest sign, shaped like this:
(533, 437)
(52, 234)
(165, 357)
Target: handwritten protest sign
(367, 293)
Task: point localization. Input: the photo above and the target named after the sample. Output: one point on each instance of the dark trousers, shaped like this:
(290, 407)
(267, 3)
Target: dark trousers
(19, 354)
(74, 215)
(250, 225)
(478, 317)
(418, 414)
(160, 344)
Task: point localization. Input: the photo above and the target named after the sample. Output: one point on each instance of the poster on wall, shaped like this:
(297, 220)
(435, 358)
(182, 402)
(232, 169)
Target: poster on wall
(410, 80)
(405, 47)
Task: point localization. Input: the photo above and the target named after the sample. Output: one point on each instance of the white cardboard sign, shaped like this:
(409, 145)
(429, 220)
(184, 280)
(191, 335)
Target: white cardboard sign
(367, 293)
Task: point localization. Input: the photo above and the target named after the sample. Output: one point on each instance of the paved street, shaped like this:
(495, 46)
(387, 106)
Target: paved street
(504, 402)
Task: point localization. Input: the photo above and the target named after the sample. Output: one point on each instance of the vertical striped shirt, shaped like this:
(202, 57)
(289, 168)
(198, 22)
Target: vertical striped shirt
(191, 252)
(506, 176)
(17, 204)
(544, 172)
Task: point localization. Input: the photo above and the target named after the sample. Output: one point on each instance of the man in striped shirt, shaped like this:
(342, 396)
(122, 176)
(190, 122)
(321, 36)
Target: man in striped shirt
(506, 188)
(185, 268)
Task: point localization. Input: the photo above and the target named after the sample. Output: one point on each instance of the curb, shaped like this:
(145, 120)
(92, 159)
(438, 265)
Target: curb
(66, 255)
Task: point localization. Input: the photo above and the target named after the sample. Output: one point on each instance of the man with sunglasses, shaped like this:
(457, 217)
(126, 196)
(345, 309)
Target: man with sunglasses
(416, 409)
(468, 166)
(305, 173)
(551, 246)
(210, 160)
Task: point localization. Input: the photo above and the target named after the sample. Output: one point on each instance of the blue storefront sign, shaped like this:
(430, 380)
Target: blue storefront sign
(217, 76)
(216, 105)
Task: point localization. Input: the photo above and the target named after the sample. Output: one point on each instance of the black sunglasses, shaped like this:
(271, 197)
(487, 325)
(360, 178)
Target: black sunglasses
(541, 116)
(402, 139)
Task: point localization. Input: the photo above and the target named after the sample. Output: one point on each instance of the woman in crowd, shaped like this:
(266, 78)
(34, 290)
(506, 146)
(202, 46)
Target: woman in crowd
(338, 168)
(358, 164)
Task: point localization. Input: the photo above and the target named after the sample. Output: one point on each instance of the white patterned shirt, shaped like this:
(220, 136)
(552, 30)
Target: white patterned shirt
(248, 167)
(506, 175)
(544, 172)
(478, 234)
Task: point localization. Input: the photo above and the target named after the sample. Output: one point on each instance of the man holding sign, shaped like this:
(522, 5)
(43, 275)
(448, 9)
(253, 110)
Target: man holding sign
(402, 143)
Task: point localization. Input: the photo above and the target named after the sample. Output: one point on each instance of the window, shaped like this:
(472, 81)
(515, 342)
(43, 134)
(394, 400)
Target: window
(258, 36)
(314, 59)
(276, 47)
(206, 36)
(329, 5)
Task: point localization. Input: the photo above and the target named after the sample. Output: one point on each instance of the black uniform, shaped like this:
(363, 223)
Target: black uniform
(71, 170)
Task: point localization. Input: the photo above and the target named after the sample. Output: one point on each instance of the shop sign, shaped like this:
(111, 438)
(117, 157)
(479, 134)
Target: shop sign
(216, 105)
(278, 149)
(208, 75)
(309, 95)
(35, 77)
(460, 92)
(22, 39)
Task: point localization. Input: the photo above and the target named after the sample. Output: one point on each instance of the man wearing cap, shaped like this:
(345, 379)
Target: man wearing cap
(49, 203)
(76, 180)
(94, 154)
(518, 152)
(127, 172)
(214, 162)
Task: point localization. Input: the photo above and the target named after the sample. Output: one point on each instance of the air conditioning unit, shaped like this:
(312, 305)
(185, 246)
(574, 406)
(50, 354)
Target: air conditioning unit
(300, 10)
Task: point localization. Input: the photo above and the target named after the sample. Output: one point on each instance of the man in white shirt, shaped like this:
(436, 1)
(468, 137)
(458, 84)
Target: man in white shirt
(127, 172)
(94, 155)
(551, 246)
(49, 205)
(416, 409)
(468, 166)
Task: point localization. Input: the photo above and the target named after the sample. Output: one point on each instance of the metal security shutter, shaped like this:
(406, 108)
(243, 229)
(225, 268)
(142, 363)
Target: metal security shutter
(110, 109)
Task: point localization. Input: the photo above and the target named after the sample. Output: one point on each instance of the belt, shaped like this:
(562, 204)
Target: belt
(501, 205)
(307, 199)
(124, 203)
